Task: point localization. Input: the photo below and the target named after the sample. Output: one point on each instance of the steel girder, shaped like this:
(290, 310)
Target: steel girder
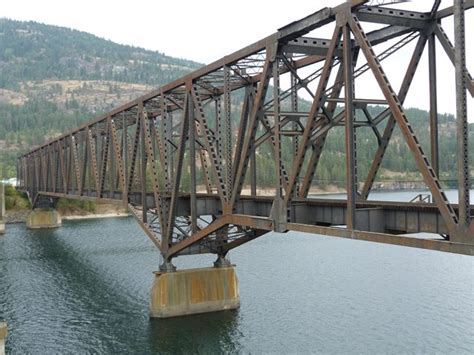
(182, 157)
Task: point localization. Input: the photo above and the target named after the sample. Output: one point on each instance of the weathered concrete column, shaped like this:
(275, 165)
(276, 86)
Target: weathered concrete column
(194, 291)
(3, 336)
(43, 218)
(2, 209)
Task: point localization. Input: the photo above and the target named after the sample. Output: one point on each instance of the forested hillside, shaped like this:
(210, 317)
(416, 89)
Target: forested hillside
(53, 78)
(33, 51)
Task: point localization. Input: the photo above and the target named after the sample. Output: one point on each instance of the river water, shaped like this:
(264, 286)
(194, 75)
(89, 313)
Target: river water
(84, 288)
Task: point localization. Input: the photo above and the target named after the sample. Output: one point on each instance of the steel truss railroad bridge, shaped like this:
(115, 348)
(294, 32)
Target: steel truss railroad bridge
(139, 154)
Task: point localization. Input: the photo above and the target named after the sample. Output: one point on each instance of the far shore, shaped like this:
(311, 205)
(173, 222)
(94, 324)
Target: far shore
(95, 216)
(113, 211)
(15, 217)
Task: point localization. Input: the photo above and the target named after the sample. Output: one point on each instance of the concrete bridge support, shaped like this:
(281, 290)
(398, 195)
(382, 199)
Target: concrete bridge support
(192, 291)
(43, 218)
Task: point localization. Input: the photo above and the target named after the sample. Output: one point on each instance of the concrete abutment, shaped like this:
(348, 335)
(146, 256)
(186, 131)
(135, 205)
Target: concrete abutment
(43, 218)
(194, 291)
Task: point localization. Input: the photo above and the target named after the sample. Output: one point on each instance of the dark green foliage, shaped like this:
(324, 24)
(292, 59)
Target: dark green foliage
(34, 51)
(35, 121)
(30, 51)
(15, 200)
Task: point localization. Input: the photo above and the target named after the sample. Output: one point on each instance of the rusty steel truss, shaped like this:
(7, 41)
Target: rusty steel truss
(185, 166)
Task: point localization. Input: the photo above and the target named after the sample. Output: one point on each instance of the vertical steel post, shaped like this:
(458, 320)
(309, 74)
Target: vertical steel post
(144, 162)
(279, 210)
(2, 200)
(84, 163)
(71, 170)
(294, 125)
(433, 103)
(226, 138)
(349, 112)
(277, 129)
(461, 114)
(111, 156)
(167, 139)
(18, 177)
(253, 156)
(125, 158)
(169, 136)
(97, 158)
(192, 162)
(219, 130)
(253, 174)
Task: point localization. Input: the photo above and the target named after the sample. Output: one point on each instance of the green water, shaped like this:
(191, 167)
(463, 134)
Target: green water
(84, 288)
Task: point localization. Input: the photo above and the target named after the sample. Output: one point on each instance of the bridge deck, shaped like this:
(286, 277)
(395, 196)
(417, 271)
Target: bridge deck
(389, 222)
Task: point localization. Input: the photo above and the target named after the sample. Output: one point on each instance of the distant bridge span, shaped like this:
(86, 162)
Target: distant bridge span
(180, 160)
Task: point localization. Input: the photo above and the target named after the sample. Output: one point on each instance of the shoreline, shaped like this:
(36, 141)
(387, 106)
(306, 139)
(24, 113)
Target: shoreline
(95, 216)
(18, 217)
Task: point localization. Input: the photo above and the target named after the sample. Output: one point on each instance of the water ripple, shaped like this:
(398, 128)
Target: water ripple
(84, 288)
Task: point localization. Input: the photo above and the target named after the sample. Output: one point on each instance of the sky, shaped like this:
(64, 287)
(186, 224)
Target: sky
(207, 30)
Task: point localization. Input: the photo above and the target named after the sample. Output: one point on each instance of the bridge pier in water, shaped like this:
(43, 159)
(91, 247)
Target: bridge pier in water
(44, 213)
(193, 291)
(43, 218)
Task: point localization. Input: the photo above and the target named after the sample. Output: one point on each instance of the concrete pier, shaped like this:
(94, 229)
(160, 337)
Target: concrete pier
(194, 291)
(41, 218)
(3, 336)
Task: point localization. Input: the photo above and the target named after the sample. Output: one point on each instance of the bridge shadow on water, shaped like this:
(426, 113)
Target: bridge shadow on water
(68, 300)
(201, 333)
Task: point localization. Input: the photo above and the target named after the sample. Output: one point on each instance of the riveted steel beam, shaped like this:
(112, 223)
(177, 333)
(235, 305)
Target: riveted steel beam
(152, 153)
